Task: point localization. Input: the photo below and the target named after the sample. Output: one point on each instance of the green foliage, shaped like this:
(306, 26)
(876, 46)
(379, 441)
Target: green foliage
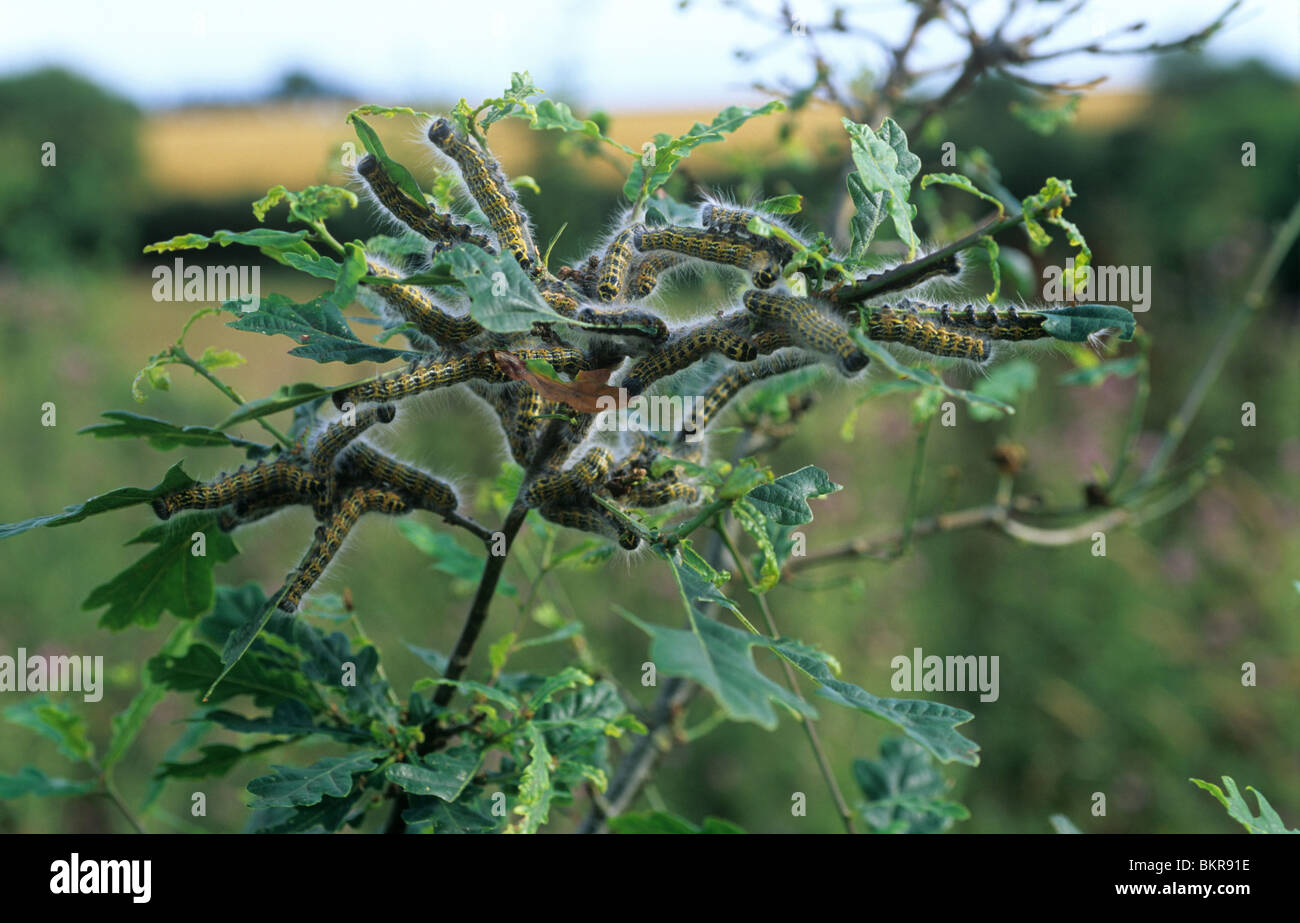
(903, 792)
(1267, 821)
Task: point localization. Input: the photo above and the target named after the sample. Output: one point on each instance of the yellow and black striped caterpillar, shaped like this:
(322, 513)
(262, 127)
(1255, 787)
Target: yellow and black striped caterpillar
(629, 321)
(413, 305)
(714, 248)
(329, 538)
(563, 359)
(245, 512)
(364, 464)
(589, 516)
(649, 270)
(733, 381)
(1007, 324)
(419, 217)
(435, 373)
(490, 190)
(584, 477)
(685, 350)
(909, 329)
(614, 267)
(657, 493)
(247, 485)
(339, 433)
(809, 325)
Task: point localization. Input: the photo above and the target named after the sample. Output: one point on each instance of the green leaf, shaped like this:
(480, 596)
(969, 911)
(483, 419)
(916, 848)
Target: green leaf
(904, 793)
(329, 777)
(310, 206)
(667, 822)
(128, 723)
(963, 183)
(1062, 824)
(274, 244)
(400, 175)
(502, 297)
(563, 633)
(447, 818)
(254, 675)
(436, 660)
(1005, 384)
(785, 500)
(491, 693)
(1034, 208)
(885, 165)
(1096, 375)
(175, 479)
(1268, 820)
(216, 760)
(285, 397)
(449, 557)
(565, 679)
(1076, 323)
(782, 205)
(1045, 120)
(930, 724)
(165, 436)
(31, 781)
(441, 775)
(169, 577)
(57, 722)
(288, 717)
(754, 523)
(922, 377)
(328, 815)
(668, 151)
(868, 213)
(535, 790)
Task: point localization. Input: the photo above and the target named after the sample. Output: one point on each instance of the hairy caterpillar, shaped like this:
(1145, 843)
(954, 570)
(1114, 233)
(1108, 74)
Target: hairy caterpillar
(561, 302)
(613, 268)
(659, 494)
(735, 380)
(489, 188)
(630, 321)
(685, 350)
(435, 373)
(339, 433)
(911, 330)
(1008, 325)
(714, 248)
(725, 220)
(564, 359)
(809, 326)
(650, 269)
(365, 464)
(282, 475)
(419, 217)
(329, 538)
(584, 477)
(590, 517)
(414, 306)
(245, 512)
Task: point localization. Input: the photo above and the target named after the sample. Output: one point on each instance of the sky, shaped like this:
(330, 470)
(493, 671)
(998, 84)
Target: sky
(608, 54)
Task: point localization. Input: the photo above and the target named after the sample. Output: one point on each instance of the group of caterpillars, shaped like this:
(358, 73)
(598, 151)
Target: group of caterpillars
(602, 323)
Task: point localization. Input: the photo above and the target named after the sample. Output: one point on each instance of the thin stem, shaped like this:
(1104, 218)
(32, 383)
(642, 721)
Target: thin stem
(814, 741)
(111, 793)
(914, 488)
(180, 355)
(1251, 304)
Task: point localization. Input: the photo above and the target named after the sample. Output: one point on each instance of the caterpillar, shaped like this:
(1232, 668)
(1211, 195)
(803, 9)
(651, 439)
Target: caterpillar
(659, 494)
(947, 267)
(422, 219)
(613, 268)
(489, 189)
(809, 326)
(245, 512)
(329, 538)
(282, 475)
(925, 335)
(724, 220)
(686, 349)
(363, 463)
(564, 359)
(735, 380)
(650, 269)
(435, 373)
(413, 305)
(714, 248)
(583, 477)
(590, 517)
(339, 433)
(630, 321)
(1009, 324)
(769, 341)
(561, 302)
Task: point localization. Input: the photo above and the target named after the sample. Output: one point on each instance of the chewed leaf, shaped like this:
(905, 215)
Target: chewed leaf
(887, 167)
(175, 479)
(1075, 324)
(785, 500)
(589, 392)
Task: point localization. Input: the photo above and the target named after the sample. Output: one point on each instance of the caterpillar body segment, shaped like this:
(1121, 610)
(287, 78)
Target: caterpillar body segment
(686, 349)
(713, 247)
(1007, 324)
(245, 512)
(364, 464)
(654, 493)
(947, 268)
(329, 538)
(561, 302)
(488, 186)
(809, 325)
(650, 270)
(583, 478)
(910, 329)
(419, 217)
(614, 266)
(769, 341)
(413, 305)
(735, 380)
(339, 433)
(629, 322)
(726, 220)
(436, 373)
(589, 516)
(280, 476)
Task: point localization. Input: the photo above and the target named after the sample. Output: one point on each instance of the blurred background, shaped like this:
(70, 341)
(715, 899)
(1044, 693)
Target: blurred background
(1119, 674)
